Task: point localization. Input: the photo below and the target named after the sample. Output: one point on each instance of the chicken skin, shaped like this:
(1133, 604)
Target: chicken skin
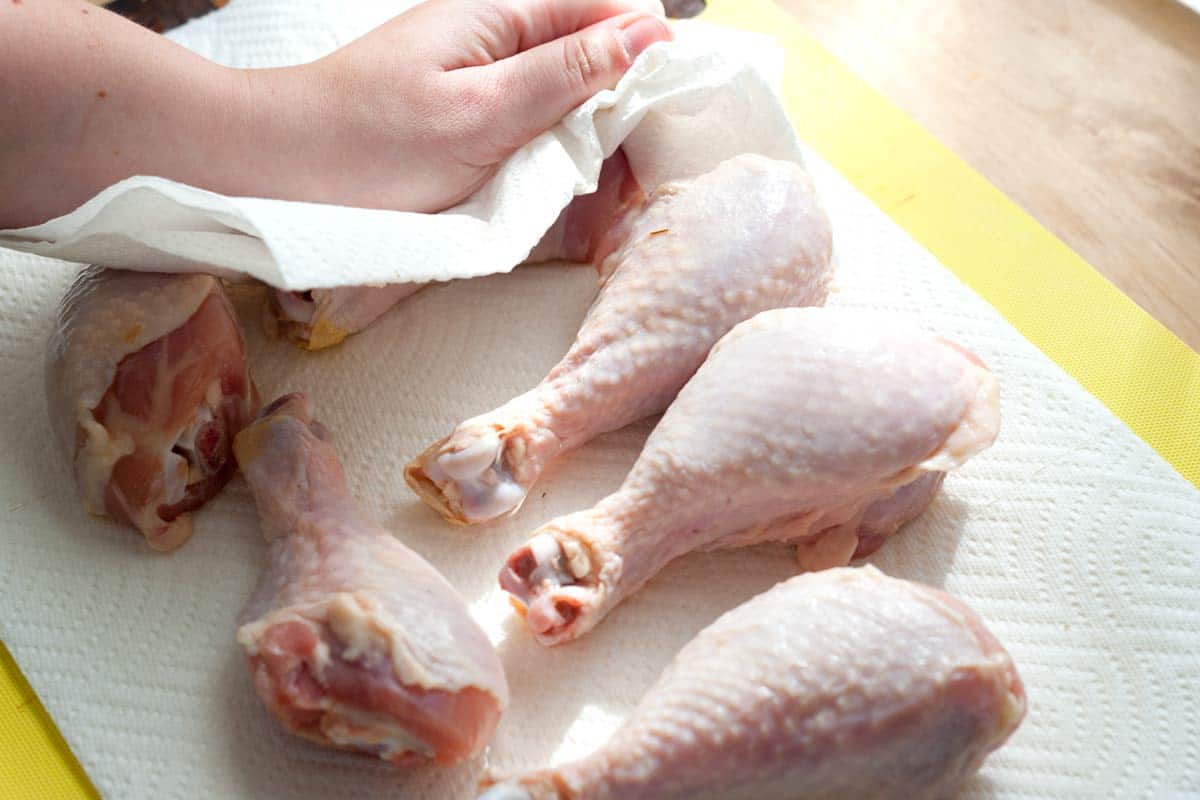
(147, 384)
(825, 427)
(836, 684)
(679, 271)
(588, 229)
(321, 318)
(354, 640)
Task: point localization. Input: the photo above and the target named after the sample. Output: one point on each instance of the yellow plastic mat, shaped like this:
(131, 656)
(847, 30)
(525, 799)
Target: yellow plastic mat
(1135, 366)
(35, 761)
(1122, 355)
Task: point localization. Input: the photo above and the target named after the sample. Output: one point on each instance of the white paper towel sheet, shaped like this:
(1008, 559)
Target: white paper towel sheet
(1077, 543)
(693, 103)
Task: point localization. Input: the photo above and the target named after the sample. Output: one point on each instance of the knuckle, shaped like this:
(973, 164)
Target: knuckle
(588, 59)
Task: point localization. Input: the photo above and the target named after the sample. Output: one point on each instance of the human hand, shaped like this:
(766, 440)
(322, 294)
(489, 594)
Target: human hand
(414, 116)
(417, 114)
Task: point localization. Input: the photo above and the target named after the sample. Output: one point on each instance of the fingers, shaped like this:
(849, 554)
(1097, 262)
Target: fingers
(541, 85)
(536, 22)
(457, 33)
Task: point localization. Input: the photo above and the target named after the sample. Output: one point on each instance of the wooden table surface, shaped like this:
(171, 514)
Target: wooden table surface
(1084, 112)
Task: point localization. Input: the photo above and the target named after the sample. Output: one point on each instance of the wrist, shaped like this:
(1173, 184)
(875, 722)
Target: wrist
(293, 138)
(278, 134)
(185, 126)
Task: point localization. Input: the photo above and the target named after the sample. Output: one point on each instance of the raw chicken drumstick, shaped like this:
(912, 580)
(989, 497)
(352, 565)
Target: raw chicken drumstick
(354, 640)
(837, 684)
(697, 258)
(321, 318)
(146, 384)
(822, 426)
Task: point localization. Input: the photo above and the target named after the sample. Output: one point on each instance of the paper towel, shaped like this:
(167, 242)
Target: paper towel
(1076, 542)
(689, 104)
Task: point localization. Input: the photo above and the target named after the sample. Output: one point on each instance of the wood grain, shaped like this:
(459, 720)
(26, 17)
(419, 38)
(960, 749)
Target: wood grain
(1085, 112)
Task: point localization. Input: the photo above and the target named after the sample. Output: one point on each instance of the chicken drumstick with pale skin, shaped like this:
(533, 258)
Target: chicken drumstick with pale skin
(147, 384)
(353, 639)
(586, 230)
(697, 258)
(837, 684)
(826, 427)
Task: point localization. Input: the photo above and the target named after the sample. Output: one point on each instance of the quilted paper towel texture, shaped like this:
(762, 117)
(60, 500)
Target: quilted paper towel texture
(684, 107)
(1076, 542)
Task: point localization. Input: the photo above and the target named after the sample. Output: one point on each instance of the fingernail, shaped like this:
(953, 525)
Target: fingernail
(642, 31)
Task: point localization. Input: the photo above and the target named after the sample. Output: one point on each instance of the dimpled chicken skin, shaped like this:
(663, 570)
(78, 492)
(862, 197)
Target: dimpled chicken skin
(826, 427)
(147, 383)
(679, 271)
(838, 684)
(353, 639)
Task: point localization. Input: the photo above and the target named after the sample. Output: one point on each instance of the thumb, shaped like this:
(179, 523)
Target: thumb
(540, 85)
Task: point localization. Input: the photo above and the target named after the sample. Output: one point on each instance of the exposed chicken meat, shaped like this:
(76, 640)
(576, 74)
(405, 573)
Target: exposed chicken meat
(147, 384)
(353, 639)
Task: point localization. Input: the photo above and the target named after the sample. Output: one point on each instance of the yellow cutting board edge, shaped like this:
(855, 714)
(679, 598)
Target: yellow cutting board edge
(1135, 366)
(35, 761)
(1145, 374)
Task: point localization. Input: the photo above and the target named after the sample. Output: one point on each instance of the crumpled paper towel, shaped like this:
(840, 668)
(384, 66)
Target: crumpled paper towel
(684, 107)
(1076, 542)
